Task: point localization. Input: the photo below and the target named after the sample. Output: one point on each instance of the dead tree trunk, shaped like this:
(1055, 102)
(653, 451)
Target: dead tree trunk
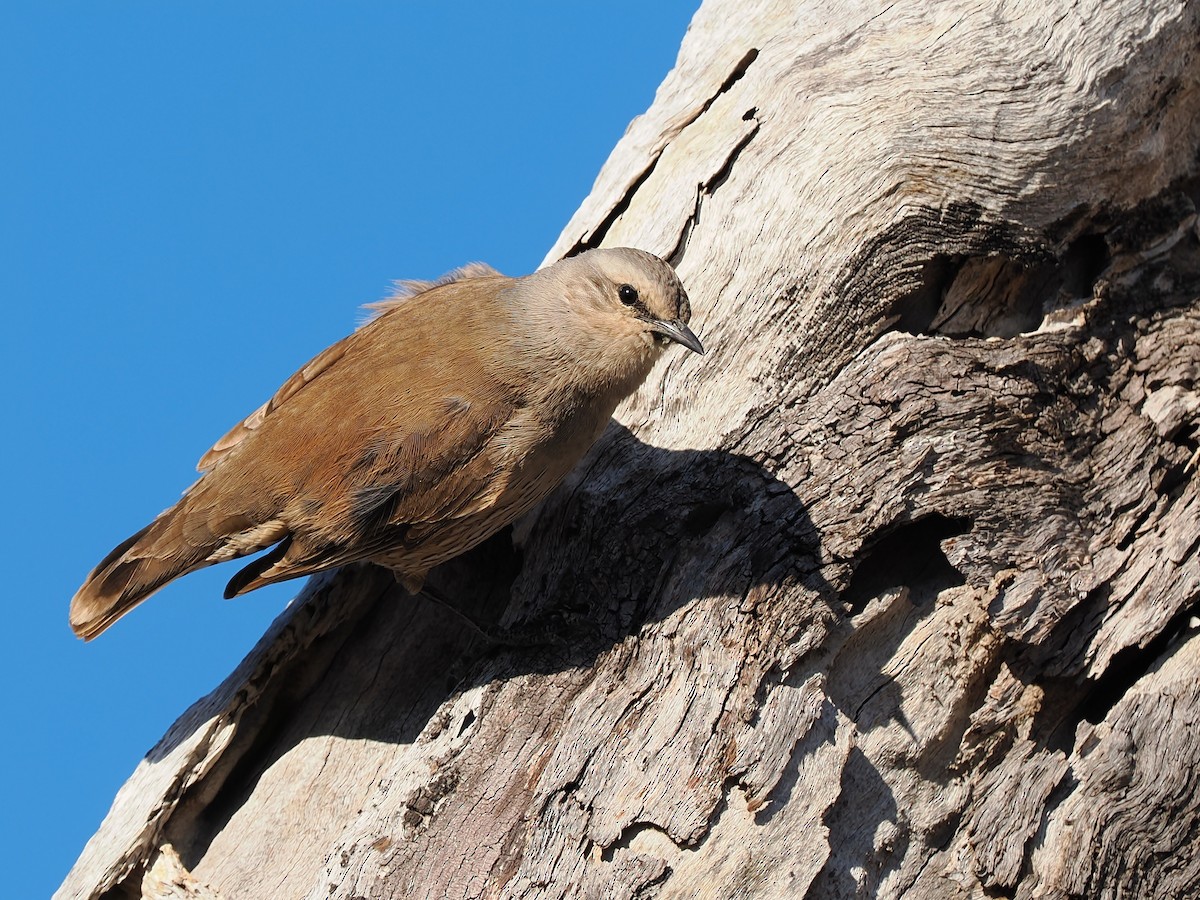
(892, 594)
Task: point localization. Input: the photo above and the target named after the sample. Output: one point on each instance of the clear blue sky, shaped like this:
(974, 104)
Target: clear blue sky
(197, 198)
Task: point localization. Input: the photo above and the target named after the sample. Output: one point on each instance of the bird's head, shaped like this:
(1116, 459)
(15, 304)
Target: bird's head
(612, 311)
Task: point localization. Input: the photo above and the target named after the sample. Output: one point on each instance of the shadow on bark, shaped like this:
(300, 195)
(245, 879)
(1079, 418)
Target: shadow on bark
(637, 536)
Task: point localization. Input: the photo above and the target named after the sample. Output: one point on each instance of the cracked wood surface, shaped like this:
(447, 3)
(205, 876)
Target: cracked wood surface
(891, 594)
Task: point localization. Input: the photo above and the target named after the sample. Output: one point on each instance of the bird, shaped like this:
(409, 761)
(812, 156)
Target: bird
(452, 411)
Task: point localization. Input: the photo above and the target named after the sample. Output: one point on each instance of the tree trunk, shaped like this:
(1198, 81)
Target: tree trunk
(891, 594)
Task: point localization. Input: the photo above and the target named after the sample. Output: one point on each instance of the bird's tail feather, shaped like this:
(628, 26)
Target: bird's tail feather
(139, 566)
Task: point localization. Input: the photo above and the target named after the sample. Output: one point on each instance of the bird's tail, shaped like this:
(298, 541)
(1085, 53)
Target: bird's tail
(139, 566)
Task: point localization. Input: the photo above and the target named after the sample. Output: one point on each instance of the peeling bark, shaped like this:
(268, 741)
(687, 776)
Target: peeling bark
(894, 593)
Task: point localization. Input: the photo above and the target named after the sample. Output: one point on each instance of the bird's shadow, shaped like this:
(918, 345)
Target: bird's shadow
(636, 534)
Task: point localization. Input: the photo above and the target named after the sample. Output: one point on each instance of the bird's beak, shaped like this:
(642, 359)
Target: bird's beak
(676, 331)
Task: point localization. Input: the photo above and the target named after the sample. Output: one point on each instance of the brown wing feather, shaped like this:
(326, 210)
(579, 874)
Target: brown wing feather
(421, 479)
(403, 291)
(306, 375)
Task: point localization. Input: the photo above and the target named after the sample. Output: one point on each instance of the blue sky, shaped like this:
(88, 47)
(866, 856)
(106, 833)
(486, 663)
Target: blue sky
(197, 198)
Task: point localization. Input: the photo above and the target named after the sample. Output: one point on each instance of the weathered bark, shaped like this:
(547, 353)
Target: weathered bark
(891, 594)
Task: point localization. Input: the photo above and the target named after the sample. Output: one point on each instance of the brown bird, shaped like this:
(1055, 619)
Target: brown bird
(454, 411)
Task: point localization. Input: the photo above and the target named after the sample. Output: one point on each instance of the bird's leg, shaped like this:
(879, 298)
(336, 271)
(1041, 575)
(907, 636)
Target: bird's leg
(430, 593)
(502, 637)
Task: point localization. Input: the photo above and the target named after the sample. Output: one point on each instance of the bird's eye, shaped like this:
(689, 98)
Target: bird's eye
(628, 294)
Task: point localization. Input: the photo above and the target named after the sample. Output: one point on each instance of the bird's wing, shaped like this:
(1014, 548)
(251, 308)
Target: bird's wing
(403, 489)
(404, 291)
(318, 364)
